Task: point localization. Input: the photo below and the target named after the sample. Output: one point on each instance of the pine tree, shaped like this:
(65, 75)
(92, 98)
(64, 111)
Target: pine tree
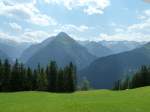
(144, 76)
(117, 85)
(34, 80)
(70, 78)
(60, 82)
(41, 79)
(15, 77)
(29, 79)
(52, 76)
(6, 75)
(22, 72)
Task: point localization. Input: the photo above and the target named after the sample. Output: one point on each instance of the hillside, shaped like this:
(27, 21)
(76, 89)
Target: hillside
(103, 72)
(62, 49)
(90, 101)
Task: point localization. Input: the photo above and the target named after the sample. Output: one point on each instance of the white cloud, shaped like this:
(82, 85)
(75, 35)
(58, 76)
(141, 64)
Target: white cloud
(134, 36)
(19, 1)
(88, 6)
(119, 30)
(26, 11)
(144, 25)
(69, 28)
(135, 32)
(147, 12)
(15, 27)
(34, 36)
(8, 37)
(93, 10)
(27, 36)
(43, 20)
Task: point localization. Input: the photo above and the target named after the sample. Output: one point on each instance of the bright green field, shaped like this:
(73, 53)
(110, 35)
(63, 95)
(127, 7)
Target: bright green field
(137, 100)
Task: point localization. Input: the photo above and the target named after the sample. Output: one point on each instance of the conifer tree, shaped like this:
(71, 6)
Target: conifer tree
(41, 79)
(52, 76)
(15, 77)
(6, 75)
(29, 79)
(34, 80)
(60, 82)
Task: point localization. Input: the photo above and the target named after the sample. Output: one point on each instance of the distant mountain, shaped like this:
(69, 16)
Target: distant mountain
(30, 51)
(62, 49)
(3, 55)
(12, 49)
(96, 48)
(106, 48)
(121, 46)
(104, 71)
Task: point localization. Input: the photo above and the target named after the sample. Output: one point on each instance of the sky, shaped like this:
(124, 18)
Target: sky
(94, 20)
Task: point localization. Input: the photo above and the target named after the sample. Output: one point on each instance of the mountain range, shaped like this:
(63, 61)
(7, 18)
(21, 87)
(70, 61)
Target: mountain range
(121, 46)
(102, 62)
(96, 48)
(12, 48)
(103, 72)
(106, 48)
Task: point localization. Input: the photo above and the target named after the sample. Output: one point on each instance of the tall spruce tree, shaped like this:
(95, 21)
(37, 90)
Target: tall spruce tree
(34, 80)
(15, 77)
(6, 75)
(72, 78)
(29, 79)
(52, 76)
(60, 82)
(41, 79)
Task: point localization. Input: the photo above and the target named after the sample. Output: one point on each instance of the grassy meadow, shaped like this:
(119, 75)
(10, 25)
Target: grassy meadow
(137, 100)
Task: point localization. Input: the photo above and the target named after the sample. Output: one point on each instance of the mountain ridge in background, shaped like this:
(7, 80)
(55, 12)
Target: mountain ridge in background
(103, 72)
(106, 48)
(13, 49)
(96, 48)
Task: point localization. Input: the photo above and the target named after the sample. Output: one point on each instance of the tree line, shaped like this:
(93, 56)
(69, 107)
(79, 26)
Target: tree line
(17, 77)
(139, 79)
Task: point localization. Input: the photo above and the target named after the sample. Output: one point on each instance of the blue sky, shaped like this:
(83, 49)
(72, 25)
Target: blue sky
(36, 20)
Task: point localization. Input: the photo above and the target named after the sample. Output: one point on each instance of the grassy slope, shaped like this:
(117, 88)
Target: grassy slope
(137, 100)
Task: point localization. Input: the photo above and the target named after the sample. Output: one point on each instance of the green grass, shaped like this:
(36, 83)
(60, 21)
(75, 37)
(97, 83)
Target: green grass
(137, 100)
